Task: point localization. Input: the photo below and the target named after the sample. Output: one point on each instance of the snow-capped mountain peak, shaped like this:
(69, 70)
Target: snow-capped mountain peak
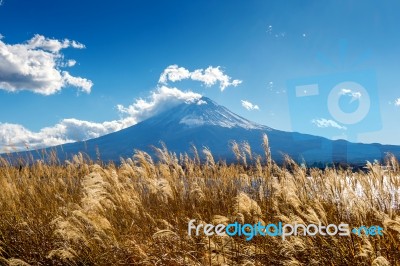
(204, 112)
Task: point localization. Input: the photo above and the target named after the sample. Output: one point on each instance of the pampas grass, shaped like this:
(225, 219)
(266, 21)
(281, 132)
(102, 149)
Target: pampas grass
(82, 212)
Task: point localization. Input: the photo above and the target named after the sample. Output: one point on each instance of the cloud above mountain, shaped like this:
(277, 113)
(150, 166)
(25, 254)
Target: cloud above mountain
(160, 100)
(14, 137)
(35, 66)
(209, 76)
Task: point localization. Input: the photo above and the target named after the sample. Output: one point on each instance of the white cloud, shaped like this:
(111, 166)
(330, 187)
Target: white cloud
(82, 83)
(52, 45)
(71, 63)
(35, 66)
(209, 76)
(325, 123)
(397, 102)
(1, 3)
(160, 100)
(174, 73)
(16, 137)
(354, 95)
(249, 106)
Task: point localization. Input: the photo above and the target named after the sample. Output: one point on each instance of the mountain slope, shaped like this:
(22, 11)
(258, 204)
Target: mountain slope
(205, 123)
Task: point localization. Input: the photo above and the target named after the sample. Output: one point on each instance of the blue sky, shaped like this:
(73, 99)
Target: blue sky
(273, 47)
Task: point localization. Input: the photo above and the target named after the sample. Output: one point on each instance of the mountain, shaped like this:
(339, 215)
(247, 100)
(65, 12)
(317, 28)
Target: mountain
(204, 123)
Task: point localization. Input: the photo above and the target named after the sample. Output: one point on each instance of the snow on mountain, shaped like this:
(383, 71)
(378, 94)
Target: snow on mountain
(206, 112)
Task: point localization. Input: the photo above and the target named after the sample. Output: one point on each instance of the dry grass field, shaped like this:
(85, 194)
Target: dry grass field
(89, 213)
